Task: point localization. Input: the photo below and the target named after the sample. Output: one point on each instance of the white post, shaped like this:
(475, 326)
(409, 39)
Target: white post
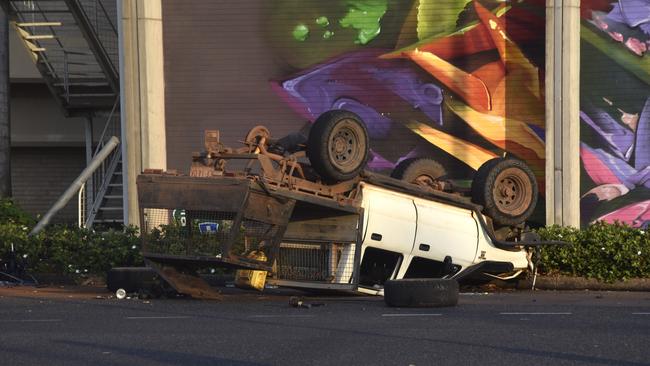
(143, 96)
(563, 112)
(5, 125)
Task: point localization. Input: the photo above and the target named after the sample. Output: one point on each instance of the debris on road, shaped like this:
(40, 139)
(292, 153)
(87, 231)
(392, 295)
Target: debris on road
(298, 302)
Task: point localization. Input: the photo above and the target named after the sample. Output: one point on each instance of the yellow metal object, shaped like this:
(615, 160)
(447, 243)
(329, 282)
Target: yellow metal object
(250, 279)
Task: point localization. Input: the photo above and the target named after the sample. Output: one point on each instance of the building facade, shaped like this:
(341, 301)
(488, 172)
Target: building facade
(458, 81)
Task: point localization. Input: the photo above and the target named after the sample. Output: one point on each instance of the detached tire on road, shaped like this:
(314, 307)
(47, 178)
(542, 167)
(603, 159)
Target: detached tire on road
(507, 190)
(338, 146)
(421, 292)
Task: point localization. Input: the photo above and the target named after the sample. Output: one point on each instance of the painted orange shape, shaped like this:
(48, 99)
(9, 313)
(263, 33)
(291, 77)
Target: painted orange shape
(468, 86)
(499, 99)
(511, 71)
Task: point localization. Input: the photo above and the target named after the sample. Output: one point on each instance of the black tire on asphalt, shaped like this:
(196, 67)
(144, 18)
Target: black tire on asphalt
(421, 292)
(338, 146)
(418, 171)
(507, 190)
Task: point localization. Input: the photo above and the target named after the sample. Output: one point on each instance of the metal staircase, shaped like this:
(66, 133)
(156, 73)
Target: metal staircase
(74, 45)
(103, 192)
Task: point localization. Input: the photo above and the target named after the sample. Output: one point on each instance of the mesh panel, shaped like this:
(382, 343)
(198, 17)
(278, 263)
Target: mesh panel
(186, 232)
(205, 233)
(331, 263)
(253, 235)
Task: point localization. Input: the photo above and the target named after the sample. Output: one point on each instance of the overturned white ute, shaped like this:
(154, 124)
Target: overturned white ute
(302, 212)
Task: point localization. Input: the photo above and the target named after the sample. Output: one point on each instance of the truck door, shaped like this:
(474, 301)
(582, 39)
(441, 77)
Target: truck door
(390, 220)
(445, 230)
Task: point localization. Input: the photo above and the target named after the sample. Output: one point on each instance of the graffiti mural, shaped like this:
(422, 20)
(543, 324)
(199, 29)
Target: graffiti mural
(461, 81)
(615, 111)
(458, 81)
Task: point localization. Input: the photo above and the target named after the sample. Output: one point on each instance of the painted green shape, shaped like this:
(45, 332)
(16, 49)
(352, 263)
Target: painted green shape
(322, 21)
(436, 18)
(328, 34)
(365, 16)
(639, 66)
(300, 32)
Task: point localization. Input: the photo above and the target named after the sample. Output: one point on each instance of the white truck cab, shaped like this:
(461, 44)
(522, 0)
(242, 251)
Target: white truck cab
(409, 236)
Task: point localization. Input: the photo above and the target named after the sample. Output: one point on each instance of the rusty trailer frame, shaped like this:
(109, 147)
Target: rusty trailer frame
(241, 214)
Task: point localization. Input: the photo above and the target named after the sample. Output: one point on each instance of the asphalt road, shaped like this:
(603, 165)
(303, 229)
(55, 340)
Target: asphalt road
(523, 328)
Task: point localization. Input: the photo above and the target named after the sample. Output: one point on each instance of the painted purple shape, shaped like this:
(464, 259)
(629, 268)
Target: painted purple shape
(641, 177)
(539, 131)
(634, 13)
(380, 124)
(642, 144)
(425, 96)
(366, 84)
(604, 168)
(378, 162)
(618, 137)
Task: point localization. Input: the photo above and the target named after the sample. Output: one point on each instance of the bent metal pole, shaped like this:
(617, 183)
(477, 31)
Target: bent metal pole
(76, 185)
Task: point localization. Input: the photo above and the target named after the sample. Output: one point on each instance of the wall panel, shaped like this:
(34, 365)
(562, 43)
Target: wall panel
(615, 111)
(459, 81)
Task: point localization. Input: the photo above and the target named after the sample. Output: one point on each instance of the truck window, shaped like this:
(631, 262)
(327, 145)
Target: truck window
(377, 266)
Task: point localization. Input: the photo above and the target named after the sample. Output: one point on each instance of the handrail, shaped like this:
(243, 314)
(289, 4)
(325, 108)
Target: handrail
(110, 21)
(94, 37)
(76, 184)
(81, 206)
(108, 173)
(106, 125)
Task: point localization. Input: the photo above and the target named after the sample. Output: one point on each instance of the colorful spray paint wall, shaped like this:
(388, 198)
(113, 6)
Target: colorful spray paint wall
(615, 111)
(458, 81)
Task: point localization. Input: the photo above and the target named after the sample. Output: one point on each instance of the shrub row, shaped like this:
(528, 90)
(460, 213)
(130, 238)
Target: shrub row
(608, 252)
(65, 249)
(603, 251)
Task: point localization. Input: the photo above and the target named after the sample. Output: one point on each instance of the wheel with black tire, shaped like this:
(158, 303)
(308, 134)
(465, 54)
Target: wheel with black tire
(507, 190)
(421, 292)
(420, 171)
(338, 145)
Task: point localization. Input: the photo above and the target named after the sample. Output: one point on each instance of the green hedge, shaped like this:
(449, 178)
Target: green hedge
(66, 249)
(603, 251)
(608, 252)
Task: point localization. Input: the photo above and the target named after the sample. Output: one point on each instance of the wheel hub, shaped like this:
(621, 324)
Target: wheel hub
(511, 193)
(339, 145)
(344, 147)
(424, 180)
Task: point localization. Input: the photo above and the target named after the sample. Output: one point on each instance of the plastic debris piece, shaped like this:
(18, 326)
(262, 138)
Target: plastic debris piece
(120, 293)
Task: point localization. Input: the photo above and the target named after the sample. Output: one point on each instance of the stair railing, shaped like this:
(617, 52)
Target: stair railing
(97, 20)
(81, 206)
(98, 184)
